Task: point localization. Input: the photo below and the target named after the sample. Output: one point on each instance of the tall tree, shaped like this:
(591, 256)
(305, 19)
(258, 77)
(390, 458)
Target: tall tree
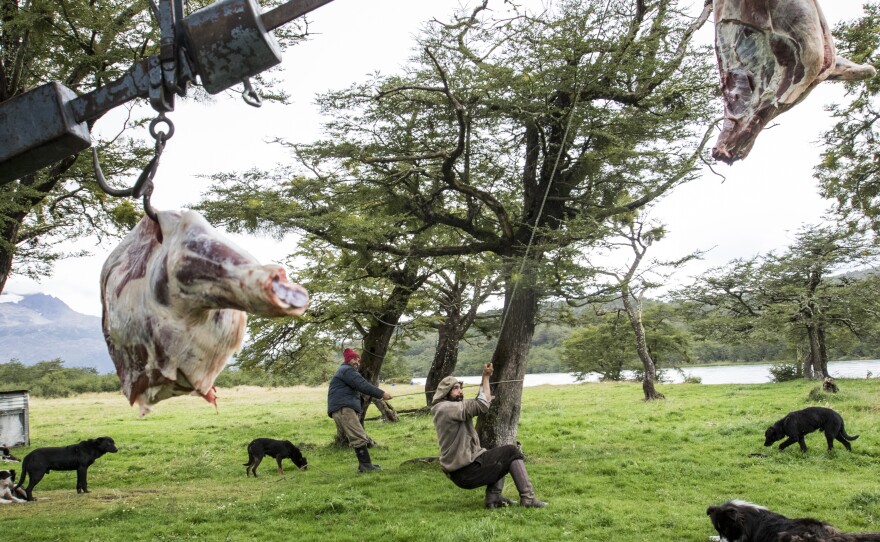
(634, 280)
(460, 294)
(518, 134)
(800, 293)
(361, 293)
(849, 172)
(84, 45)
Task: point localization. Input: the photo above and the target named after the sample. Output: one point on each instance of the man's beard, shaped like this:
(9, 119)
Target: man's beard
(459, 399)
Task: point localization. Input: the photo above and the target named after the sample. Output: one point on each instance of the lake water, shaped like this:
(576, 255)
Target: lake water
(718, 374)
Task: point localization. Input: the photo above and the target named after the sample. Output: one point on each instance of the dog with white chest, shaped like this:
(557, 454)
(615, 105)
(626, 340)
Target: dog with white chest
(8, 493)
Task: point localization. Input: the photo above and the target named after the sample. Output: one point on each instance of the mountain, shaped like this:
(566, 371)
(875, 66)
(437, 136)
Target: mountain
(40, 327)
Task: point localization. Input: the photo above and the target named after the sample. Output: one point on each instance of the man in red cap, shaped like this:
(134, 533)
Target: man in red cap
(344, 405)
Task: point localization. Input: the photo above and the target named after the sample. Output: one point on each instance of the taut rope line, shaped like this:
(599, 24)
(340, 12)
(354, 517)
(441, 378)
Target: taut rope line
(463, 386)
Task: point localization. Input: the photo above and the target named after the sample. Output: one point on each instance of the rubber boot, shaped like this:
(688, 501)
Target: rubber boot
(494, 499)
(524, 486)
(364, 463)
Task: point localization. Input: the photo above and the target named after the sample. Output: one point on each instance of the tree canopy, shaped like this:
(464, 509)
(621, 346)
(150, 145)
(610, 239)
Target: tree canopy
(801, 292)
(511, 133)
(849, 172)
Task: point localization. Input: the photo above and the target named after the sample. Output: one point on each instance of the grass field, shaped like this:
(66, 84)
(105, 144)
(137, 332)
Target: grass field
(612, 467)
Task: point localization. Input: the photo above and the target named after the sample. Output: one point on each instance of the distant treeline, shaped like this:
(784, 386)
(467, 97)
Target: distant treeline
(413, 359)
(53, 379)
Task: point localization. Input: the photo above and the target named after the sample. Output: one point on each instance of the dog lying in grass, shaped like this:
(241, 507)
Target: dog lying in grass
(279, 449)
(6, 455)
(800, 422)
(78, 457)
(740, 521)
(8, 493)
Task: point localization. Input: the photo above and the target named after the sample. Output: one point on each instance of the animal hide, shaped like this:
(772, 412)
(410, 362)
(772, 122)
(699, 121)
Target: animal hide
(175, 298)
(771, 54)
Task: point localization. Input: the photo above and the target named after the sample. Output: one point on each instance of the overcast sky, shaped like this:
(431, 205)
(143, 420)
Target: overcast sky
(757, 207)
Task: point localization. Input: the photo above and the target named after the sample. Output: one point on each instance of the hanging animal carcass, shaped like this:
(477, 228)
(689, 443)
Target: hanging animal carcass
(771, 54)
(175, 298)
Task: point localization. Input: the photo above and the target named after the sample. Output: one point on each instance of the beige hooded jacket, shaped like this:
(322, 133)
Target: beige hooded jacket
(458, 440)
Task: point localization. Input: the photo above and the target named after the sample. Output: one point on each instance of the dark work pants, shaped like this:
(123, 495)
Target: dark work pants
(487, 469)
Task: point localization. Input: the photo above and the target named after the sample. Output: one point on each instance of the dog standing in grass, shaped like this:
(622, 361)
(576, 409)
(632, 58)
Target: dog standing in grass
(78, 457)
(800, 422)
(740, 521)
(279, 449)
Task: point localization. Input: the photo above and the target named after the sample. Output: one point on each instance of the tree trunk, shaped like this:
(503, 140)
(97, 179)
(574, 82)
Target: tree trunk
(454, 326)
(7, 248)
(375, 348)
(635, 318)
(823, 353)
(445, 357)
(381, 330)
(815, 354)
(499, 426)
(808, 366)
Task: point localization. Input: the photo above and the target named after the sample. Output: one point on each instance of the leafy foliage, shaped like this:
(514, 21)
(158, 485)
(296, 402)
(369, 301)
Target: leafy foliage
(52, 379)
(849, 172)
(796, 294)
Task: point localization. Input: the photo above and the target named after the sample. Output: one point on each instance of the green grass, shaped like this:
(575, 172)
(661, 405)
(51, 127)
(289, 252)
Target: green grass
(612, 467)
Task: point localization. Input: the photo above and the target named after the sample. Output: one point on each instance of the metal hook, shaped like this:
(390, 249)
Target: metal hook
(249, 95)
(144, 184)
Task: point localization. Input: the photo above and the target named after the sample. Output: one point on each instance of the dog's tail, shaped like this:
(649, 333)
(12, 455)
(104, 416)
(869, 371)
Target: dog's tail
(843, 432)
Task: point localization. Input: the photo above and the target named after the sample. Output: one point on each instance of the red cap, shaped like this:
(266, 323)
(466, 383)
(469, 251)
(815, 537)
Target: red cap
(348, 354)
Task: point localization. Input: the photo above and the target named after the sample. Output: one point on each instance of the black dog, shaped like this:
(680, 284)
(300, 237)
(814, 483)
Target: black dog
(279, 449)
(800, 422)
(740, 521)
(78, 457)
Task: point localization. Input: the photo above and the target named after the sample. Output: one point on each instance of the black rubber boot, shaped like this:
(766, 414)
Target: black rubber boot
(524, 486)
(494, 499)
(364, 463)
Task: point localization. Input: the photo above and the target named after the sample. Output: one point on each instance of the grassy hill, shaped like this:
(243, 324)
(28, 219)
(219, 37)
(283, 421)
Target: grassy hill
(612, 467)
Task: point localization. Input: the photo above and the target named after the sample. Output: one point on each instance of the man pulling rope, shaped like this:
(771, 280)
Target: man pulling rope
(462, 458)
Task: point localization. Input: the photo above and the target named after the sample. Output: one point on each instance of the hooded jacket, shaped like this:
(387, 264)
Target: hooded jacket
(345, 389)
(458, 440)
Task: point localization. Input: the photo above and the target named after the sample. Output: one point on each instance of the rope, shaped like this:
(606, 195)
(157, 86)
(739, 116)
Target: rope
(574, 104)
(463, 386)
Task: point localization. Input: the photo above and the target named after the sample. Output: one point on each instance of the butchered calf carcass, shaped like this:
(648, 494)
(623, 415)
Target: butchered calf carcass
(771, 54)
(175, 298)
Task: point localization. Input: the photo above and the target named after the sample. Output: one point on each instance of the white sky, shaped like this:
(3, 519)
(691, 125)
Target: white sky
(763, 200)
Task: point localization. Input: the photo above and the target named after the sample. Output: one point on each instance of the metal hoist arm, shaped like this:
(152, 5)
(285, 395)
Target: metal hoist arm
(223, 44)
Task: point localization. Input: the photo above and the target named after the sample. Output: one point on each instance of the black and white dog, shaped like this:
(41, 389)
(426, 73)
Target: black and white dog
(740, 521)
(6, 455)
(279, 449)
(800, 422)
(78, 457)
(8, 493)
